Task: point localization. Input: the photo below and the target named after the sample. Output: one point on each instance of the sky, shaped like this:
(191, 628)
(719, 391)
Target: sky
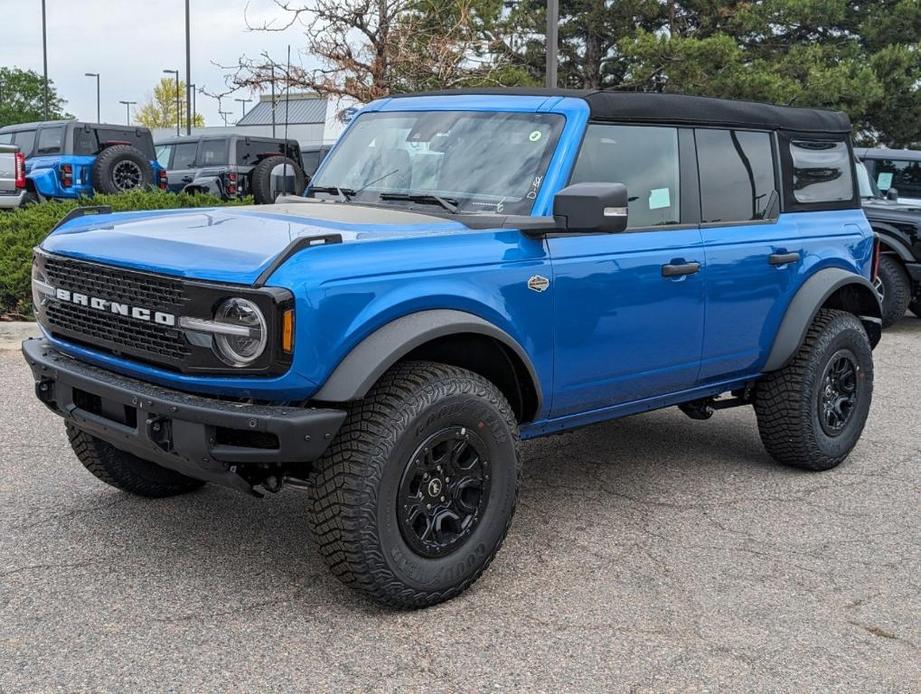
(131, 42)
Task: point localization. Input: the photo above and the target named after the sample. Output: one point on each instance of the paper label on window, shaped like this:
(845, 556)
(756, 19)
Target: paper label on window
(659, 198)
(884, 181)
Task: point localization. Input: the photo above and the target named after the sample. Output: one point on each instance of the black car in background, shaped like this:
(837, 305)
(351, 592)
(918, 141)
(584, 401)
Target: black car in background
(896, 172)
(233, 166)
(313, 156)
(898, 228)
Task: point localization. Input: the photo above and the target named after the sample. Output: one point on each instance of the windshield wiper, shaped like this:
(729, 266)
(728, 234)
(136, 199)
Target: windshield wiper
(423, 198)
(345, 194)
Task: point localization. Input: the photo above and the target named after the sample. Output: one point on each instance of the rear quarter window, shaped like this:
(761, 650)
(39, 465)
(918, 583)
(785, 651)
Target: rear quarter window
(213, 153)
(821, 171)
(50, 140)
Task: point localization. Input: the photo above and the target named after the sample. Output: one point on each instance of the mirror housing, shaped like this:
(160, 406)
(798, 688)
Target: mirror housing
(892, 194)
(591, 207)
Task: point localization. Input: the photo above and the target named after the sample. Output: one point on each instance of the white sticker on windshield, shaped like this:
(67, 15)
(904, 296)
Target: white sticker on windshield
(535, 135)
(884, 181)
(659, 198)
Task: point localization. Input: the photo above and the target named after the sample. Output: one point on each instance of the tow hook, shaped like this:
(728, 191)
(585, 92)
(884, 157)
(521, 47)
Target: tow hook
(44, 389)
(160, 431)
(698, 409)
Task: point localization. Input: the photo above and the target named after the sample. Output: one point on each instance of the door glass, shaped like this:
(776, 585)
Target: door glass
(85, 141)
(213, 153)
(736, 174)
(645, 159)
(821, 171)
(163, 155)
(904, 176)
(184, 155)
(50, 140)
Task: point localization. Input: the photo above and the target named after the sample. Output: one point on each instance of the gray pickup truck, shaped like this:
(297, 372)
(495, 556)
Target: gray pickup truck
(12, 177)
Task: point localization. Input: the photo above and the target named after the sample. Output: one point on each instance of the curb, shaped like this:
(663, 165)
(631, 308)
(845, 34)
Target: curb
(13, 333)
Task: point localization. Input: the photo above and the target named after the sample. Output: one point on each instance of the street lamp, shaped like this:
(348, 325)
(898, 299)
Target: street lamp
(44, 62)
(244, 102)
(224, 114)
(128, 105)
(175, 74)
(553, 41)
(193, 107)
(96, 75)
(188, 73)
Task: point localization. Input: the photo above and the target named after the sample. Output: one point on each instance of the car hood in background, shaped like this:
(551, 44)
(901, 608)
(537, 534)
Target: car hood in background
(229, 244)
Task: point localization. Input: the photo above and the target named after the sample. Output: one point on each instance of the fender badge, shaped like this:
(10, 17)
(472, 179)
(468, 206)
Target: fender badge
(538, 283)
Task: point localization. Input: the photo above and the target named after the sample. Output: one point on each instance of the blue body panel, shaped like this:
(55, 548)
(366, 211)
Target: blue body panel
(611, 337)
(44, 172)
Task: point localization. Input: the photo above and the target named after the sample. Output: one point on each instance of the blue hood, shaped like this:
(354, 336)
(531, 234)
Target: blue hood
(229, 244)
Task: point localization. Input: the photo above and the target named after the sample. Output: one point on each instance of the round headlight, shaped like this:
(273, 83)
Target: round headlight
(247, 333)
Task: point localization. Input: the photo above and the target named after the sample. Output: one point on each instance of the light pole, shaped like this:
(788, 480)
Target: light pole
(224, 114)
(553, 40)
(175, 74)
(96, 75)
(128, 105)
(244, 102)
(194, 110)
(45, 61)
(188, 73)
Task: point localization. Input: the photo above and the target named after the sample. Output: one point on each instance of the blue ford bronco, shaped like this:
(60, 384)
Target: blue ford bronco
(69, 159)
(466, 270)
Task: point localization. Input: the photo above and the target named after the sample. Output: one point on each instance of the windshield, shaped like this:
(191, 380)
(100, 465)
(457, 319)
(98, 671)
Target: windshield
(479, 161)
(867, 185)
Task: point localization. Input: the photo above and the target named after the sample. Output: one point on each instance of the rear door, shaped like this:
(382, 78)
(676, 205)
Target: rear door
(181, 169)
(630, 306)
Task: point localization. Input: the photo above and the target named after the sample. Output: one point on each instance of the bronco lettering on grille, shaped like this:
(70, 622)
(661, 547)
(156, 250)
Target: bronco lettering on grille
(136, 312)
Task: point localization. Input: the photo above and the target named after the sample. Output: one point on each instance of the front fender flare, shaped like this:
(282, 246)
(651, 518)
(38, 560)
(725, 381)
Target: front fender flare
(807, 302)
(370, 358)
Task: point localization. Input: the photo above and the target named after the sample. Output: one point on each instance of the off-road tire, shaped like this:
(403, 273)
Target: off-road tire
(108, 176)
(125, 471)
(896, 289)
(261, 179)
(787, 401)
(354, 513)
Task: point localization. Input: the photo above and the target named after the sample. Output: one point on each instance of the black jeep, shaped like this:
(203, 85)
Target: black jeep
(233, 166)
(898, 228)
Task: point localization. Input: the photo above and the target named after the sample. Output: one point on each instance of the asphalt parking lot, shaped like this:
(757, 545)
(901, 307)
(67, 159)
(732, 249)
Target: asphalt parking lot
(654, 553)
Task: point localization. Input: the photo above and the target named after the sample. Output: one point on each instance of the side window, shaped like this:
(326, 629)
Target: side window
(248, 152)
(25, 140)
(737, 181)
(136, 137)
(821, 171)
(184, 155)
(85, 141)
(904, 176)
(50, 140)
(213, 153)
(163, 155)
(645, 159)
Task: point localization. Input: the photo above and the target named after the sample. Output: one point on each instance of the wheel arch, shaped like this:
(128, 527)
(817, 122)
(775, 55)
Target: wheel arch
(834, 288)
(893, 241)
(448, 336)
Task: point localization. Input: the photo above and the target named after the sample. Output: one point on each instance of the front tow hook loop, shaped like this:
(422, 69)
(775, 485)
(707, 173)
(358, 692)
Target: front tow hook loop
(44, 389)
(160, 431)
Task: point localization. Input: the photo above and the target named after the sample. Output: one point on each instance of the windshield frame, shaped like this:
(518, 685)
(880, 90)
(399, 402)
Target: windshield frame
(478, 202)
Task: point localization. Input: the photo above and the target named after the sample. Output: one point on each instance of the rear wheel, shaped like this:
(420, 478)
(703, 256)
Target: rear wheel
(415, 496)
(125, 471)
(811, 412)
(894, 289)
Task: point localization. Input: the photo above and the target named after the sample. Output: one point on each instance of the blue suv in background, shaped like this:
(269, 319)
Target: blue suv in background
(70, 159)
(466, 270)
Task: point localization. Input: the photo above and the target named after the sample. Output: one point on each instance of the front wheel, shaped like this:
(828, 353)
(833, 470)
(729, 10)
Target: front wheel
(416, 494)
(811, 412)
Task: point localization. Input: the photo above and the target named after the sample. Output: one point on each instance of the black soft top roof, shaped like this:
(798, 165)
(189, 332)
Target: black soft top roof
(645, 107)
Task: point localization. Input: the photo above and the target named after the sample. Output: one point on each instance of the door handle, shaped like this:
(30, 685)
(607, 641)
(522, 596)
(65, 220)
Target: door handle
(783, 258)
(680, 269)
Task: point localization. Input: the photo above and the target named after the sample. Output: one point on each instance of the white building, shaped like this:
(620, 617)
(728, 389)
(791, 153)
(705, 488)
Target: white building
(312, 120)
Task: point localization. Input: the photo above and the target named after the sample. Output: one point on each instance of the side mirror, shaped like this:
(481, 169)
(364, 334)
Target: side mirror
(892, 194)
(592, 207)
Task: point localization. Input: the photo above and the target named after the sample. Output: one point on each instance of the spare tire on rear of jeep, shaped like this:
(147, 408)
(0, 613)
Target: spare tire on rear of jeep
(120, 168)
(268, 178)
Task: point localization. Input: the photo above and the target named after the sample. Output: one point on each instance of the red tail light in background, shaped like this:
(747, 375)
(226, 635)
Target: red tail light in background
(876, 253)
(67, 175)
(20, 170)
(163, 181)
(231, 184)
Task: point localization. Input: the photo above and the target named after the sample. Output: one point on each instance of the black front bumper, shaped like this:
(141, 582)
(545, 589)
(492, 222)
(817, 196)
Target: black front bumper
(205, 438)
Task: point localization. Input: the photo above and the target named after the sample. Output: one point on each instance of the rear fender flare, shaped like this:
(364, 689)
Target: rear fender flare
(374, 355)
(811, 297)
(45, 182)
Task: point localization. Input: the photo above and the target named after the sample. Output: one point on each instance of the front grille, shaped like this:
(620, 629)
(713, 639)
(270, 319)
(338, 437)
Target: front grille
(116, 333)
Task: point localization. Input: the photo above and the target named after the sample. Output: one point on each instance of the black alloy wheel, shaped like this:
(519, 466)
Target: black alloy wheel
(840, 392)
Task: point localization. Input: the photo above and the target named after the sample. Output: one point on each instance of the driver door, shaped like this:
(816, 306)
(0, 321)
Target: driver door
(630, 305)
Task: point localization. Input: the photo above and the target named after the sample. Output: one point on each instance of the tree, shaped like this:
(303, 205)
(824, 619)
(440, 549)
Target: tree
(159, 110)
(22, 97)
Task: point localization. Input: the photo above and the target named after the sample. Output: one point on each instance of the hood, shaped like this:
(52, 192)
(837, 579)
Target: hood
(891, 211)
(229, 244)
